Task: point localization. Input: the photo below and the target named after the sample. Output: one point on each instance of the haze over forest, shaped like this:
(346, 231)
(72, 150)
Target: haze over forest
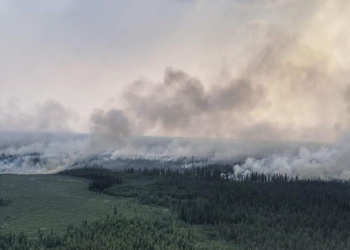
(273, 75)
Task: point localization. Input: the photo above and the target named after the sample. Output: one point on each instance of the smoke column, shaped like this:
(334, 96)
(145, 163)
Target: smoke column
(289, 85)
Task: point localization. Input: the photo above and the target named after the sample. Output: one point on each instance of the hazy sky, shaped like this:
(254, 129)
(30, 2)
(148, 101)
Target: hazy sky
(256, 69)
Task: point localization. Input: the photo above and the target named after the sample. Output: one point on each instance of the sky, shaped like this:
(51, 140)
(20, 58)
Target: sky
(257, 69)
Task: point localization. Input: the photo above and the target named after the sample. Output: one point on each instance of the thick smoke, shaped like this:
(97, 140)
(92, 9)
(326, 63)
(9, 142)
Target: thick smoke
(113, 123)
(40, 153)
(323, 163)
(181, 102)
(108, 129)
(44, 153)
(289, 86)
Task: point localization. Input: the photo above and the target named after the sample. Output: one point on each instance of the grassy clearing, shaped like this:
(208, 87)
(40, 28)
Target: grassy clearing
(48, 202)
(54, 201)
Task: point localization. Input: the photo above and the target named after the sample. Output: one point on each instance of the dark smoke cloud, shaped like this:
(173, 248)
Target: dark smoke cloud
(237, 96)
(108, 130)
(180, 101)
(112, 122)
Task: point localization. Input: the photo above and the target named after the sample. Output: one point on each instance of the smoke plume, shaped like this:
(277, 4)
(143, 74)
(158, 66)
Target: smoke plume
(113, 122)
(181, 102)
(287, 84)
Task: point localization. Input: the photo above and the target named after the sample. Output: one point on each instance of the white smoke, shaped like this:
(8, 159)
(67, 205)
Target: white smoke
(324, 163)
(38, 153)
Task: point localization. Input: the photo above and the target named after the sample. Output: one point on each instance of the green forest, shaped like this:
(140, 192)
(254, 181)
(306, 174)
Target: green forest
(208, 211)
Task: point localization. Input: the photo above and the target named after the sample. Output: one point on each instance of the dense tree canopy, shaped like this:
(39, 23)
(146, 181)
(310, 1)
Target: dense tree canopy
(212, 209)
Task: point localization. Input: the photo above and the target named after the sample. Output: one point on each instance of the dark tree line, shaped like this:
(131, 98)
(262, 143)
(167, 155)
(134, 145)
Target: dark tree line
(101, 178)
(211, 172)
(4, 202)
